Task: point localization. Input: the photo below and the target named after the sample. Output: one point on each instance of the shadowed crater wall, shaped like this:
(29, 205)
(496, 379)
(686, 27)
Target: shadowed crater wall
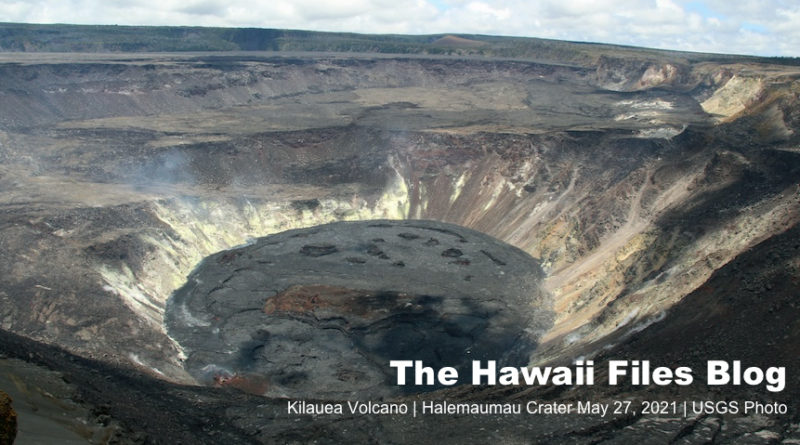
(320, 312)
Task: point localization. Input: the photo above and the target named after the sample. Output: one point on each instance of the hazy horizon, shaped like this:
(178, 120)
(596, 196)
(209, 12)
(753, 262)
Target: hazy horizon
(765, 28)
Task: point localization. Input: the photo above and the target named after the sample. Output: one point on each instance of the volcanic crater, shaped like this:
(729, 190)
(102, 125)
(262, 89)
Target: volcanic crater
(654, 195)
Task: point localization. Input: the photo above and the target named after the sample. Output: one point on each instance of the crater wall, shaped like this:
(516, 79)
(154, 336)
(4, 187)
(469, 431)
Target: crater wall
(120, 175)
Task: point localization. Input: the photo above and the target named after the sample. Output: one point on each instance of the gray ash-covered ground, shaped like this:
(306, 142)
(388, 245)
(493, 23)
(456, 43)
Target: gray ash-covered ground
(321, 312)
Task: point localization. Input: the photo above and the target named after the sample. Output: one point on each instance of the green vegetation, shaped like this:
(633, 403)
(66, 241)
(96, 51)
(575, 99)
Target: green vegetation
(17, 37)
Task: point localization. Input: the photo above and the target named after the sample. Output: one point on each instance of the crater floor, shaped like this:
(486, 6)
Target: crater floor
(320, 312)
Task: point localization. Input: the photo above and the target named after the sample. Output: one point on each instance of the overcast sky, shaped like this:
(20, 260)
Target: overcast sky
(762, 27)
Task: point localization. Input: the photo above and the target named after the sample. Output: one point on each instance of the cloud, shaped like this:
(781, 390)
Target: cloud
(764, 27)
(485, 10)
(203, 8)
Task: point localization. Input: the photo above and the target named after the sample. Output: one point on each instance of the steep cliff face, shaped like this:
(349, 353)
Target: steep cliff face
(630, 182)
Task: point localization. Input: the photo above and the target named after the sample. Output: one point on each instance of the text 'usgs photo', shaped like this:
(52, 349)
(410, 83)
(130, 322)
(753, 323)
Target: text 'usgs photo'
(399, 222)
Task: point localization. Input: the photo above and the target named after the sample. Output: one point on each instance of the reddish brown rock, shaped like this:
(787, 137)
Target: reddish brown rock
(316, 299)
(8, 420)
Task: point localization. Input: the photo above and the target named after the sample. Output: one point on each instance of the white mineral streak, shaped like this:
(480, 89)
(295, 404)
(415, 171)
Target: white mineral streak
(199, 227)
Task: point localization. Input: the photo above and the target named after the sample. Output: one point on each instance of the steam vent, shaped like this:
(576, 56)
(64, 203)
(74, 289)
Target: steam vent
(320, 312)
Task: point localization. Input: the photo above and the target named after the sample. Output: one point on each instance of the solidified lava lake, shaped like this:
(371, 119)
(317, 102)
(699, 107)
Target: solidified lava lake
(320, 312)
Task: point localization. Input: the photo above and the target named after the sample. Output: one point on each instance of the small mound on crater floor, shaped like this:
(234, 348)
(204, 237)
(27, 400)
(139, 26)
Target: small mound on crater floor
(320, 312)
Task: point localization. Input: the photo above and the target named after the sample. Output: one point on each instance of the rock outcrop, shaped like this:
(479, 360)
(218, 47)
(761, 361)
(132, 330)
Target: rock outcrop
(8, 420)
